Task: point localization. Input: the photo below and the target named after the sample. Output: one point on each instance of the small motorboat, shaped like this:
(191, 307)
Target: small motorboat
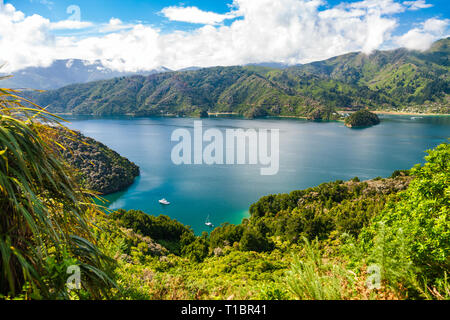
(164, 202)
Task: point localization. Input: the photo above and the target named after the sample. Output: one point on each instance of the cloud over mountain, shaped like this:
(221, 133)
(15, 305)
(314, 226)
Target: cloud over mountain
(286, 31)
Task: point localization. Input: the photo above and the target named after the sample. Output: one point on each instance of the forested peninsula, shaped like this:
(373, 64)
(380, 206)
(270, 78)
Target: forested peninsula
(97, 167)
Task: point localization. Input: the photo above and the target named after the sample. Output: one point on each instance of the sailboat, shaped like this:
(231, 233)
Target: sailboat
(164, 201)
(208, 223)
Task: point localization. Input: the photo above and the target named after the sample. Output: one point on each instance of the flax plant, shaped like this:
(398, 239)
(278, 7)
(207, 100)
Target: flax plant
(45, 217)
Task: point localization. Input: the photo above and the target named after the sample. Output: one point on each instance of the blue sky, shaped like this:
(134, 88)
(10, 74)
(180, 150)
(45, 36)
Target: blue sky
(128, 11)
(136, 34)
(150, 11)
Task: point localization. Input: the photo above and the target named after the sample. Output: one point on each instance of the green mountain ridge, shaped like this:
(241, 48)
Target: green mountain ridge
(410, 76)
(384, 80)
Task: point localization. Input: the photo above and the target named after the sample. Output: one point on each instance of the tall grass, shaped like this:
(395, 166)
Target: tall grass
(312, 278)
(45, 217)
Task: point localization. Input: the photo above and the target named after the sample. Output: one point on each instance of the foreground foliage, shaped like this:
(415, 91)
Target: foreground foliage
(45, 223)
(413, 232)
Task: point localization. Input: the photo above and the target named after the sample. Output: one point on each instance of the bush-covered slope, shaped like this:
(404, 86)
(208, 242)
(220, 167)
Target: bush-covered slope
(98, 167)
(377, 239)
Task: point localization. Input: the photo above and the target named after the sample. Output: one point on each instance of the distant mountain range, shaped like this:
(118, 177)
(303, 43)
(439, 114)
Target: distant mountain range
(65, 72)
(393, 80)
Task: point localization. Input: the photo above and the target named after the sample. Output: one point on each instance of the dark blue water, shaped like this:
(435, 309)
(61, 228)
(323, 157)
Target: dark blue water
(310, 153)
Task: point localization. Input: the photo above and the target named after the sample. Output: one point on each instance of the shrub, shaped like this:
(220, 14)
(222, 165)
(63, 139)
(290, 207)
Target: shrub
(415, 225)
(196, 251)
(226, 234)
(312, 279)
(254, 240)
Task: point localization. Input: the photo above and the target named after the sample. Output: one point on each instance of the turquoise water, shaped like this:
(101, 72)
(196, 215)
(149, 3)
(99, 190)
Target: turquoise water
(310, 153)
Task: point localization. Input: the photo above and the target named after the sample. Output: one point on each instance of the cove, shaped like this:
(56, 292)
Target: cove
(310, 153)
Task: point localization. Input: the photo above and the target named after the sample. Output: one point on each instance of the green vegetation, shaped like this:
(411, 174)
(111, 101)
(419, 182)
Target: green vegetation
(45, 218)
(193, 93)
(379, 239)
(362, 118)
(385, 80)
(311, 278)
(414, 230)
(98, 167)
(326, 242)
(174, 235)
(401, 79)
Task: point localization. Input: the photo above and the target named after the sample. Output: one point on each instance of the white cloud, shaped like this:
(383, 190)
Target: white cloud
(24, 41)
(436, 26)
(289, 31)
(70, 24)
(195, 15)
(114, 25)
(377, 6)
(417, 5)
(422, 37)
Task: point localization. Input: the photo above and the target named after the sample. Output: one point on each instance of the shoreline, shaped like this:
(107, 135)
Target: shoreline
(398, 113)
(223, 114)
(292, 117)
(401, 113)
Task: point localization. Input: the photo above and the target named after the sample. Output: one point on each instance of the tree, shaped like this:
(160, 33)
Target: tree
(254, 240)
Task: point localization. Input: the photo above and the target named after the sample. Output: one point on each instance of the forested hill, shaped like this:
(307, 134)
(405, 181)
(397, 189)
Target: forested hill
(231, 89)
(408, 77)
(395, 79)
(98, 168)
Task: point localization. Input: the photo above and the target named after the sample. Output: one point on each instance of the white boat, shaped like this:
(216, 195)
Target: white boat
(208, 223)
(164, 201)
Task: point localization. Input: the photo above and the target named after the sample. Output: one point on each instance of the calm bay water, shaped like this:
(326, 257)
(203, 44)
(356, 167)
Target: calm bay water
(310, 153)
